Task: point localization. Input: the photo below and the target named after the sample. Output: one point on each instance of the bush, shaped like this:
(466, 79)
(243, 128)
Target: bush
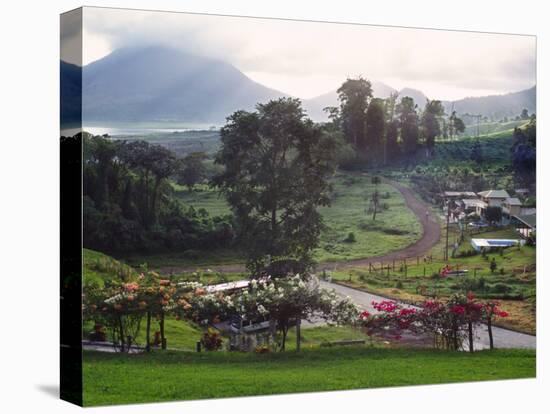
(501, 288)
(211, 340)
(350, 238)
(395, 232)
(466, 253)
(399, 285)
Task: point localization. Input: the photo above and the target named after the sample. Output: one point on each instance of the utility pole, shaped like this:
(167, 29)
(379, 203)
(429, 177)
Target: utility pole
(446, 255)
(478, 117)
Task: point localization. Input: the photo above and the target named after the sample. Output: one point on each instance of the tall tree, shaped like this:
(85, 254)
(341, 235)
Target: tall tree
(276, 166)
(431, 127)
(375, 198)
(354, 96)
(456, 125)
(392, 150)
(524, 114)
(192, 170)
(408, 121)
(375, 119)
(155, 164)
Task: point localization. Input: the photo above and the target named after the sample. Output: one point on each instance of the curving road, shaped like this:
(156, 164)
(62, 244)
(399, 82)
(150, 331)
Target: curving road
(431, 231)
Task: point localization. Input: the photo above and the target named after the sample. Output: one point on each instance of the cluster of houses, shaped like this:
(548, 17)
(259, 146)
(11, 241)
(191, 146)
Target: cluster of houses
(468, 204)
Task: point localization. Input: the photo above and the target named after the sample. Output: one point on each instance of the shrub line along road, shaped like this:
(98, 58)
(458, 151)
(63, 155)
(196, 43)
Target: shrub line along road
(503, 338)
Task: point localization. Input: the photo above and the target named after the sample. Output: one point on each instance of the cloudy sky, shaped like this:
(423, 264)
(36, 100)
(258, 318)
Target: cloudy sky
(306, 59)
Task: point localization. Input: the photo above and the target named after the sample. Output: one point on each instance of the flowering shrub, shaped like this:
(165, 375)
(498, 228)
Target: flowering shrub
(211, 340)
(450, 323)
(392, 319)
(286, 301)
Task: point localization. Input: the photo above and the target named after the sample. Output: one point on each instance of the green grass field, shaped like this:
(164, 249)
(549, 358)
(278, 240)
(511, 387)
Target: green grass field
(514, 285)
(164, 376)
(395, 226)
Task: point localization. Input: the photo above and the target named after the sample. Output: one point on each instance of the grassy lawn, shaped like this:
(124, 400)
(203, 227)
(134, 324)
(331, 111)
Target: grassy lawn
(179, 260)
(164, 376)
(395, 226)
(513, 284)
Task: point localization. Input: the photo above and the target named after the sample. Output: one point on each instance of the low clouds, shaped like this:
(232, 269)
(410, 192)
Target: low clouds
(305, 58)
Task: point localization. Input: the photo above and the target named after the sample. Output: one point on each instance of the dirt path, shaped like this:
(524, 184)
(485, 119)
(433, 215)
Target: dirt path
(431, 232)
(430, 236)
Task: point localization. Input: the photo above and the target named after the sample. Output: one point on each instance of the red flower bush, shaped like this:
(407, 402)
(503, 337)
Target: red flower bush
(451, 323)
(385, 306)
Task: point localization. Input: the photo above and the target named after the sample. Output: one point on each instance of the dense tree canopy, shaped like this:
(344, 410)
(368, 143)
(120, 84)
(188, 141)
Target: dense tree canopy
(408, 121)
(524, 151)
(192, 170)
(431, 127)
(128, 203)
(375, 120)
(354, 96)
(276, 165)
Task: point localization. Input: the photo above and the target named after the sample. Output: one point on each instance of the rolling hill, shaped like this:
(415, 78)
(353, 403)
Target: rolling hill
(497, 106)
(159, 84)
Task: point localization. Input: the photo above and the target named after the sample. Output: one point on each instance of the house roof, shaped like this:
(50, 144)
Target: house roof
(494, 194)
(459, 194)
(494, 242)
(474, 202)
(512, 201)
(530, 220)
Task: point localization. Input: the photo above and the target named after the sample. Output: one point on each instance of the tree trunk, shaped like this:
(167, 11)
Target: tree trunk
(285, 330)
(471, 336)
(455, 337)
(154, 201)
(490, 330)
(148, 333)
(121, 333)
(298, 338)
(162, 338)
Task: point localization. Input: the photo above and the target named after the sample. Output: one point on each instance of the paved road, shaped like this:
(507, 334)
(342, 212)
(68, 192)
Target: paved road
(431, 230)
(503, 338)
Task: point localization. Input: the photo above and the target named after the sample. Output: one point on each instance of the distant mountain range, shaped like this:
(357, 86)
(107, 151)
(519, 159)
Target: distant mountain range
(158, 84)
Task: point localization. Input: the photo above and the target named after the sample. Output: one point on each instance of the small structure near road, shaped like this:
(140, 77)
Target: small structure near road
(490, 244)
